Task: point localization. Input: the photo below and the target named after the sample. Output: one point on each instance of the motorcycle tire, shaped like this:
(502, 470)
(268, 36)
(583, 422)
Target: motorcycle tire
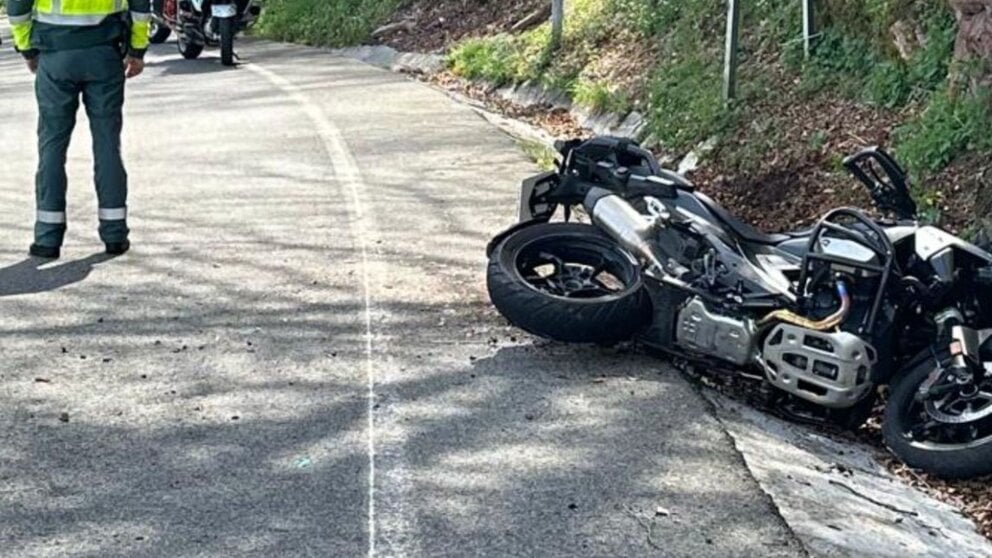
(594, 315)
(956, 461)
(190, 51)
(227, 32)
(158, 33)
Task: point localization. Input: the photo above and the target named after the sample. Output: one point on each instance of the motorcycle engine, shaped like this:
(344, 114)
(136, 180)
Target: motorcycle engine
(708, 333)
(832, 369)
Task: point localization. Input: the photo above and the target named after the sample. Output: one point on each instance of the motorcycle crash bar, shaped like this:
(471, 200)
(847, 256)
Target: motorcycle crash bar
(828, 323)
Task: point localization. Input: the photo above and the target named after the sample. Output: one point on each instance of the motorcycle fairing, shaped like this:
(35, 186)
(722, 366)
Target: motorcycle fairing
(930, 241)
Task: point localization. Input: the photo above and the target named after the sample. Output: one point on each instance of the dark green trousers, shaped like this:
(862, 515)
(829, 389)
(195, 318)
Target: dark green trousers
(95, 75)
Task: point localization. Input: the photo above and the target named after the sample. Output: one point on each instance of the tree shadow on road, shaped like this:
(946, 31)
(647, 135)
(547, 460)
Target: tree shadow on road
(35, 275)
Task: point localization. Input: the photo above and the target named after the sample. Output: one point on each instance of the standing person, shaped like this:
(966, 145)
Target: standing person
(75, 48)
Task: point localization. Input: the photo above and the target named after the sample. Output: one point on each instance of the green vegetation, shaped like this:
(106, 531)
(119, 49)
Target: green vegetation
(323, 22)
(542, 155)
(684, 98)
(852, 64)
(855, 57)
(664, 59)
(503, 58)
(950, 126)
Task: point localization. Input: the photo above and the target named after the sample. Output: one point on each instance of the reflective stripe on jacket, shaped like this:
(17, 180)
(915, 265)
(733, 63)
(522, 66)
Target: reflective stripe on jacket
(21, 16)
(77, 13)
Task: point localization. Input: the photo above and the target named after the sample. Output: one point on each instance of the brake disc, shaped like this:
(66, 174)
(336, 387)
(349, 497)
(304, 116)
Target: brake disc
(957, 409)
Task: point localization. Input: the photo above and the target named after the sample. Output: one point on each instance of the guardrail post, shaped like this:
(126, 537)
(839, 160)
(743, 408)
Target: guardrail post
(731, 57)
(809, 26)
(557, 22)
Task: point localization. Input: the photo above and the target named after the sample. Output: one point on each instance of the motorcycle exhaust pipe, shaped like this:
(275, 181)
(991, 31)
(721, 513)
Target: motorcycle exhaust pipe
(826, 324)
(625, 224)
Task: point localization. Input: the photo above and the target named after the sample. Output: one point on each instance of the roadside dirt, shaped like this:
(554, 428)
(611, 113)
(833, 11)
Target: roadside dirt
(557, 122)
(433, 26)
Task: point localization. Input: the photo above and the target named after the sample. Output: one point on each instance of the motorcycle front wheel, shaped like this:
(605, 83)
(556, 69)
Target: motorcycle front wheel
(190, 51)
(158, 33)
(568, 282)
(949, 435)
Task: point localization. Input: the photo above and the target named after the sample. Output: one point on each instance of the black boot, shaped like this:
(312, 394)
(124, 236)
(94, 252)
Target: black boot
(47, 252)
(118, 248)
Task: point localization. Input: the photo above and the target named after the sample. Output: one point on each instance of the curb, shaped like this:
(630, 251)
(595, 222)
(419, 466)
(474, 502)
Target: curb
(527, 95)
(837, 498)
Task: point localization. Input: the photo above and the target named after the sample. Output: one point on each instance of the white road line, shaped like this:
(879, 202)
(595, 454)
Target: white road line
(349, 175)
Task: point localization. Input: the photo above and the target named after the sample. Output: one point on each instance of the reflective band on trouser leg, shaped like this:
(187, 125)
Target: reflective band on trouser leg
(15, 20)
(114, 214)
(51, 217)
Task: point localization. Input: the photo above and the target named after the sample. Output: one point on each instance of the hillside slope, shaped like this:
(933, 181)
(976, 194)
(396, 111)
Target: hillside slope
(883, 72)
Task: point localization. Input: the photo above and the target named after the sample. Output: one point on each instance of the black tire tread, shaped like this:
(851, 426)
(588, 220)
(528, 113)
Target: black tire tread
(957, 464)
(192, 50)
(227, 41)
(561, 320)
(160, 35)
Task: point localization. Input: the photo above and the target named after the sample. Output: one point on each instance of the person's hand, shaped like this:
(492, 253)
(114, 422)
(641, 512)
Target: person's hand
(133, 67)
(32, 64)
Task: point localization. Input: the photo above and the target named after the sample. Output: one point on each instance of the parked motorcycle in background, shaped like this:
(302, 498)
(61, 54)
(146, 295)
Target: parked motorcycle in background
(201, 23)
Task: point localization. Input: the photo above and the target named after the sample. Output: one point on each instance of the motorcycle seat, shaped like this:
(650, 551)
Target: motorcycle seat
(740, 228)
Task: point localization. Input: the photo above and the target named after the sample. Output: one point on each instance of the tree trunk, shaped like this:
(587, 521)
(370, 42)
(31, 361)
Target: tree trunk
(973, 49)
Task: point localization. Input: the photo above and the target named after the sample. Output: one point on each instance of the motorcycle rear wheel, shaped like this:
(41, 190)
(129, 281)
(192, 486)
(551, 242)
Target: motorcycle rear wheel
(950, 451)
(569, 282)
(227, 32)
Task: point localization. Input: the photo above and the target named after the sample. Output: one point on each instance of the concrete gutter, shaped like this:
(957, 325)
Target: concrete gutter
(529, 95)
(836, 496)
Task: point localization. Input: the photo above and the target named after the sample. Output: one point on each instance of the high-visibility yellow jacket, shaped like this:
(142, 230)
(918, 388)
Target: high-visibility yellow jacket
(69, 24)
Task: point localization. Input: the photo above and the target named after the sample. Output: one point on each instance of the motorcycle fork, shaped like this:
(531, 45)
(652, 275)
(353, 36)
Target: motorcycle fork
(965, 365)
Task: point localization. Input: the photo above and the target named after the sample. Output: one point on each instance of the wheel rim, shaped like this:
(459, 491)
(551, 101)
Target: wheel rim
(959, 418)
(576, 268)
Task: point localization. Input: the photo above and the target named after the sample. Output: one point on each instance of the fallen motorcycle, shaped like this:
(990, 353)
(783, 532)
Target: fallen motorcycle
(822, 317)
(201, 23)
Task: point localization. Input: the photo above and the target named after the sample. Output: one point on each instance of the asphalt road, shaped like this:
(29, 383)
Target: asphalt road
(298, 357)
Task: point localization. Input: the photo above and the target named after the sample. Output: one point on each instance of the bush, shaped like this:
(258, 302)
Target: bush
(687, 101)
(502, 58)
(854, 56)
(948, 127)
(600, 96)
